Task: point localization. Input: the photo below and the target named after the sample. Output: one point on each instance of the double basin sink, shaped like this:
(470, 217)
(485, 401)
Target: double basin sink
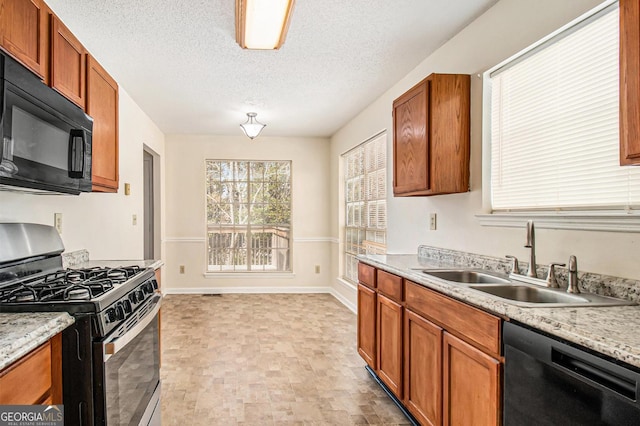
(510, 290)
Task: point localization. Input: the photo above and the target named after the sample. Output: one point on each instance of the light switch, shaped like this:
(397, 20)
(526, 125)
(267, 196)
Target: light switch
(134, 219)
(432, 222)
(127, 189)
(57, 222)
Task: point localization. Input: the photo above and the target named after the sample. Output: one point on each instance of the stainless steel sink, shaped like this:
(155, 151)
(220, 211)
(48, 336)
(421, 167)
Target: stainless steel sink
(520, 292)
(527, 294)
(531, 296)
(466, 276)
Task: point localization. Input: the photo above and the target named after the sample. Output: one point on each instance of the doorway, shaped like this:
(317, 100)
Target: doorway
(149, 224)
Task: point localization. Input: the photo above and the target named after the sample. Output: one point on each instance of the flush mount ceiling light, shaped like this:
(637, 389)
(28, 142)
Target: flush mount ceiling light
(262, 24)
(252, 127)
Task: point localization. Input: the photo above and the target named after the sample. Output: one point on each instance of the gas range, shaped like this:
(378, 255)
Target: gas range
(111, 354)
(110, 294)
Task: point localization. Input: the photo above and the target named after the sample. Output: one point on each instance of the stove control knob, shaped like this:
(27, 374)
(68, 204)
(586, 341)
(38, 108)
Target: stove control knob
(148, 288)
(139, 295)
(155, 284)
(111, 315)
(120, 315)
(127, 306)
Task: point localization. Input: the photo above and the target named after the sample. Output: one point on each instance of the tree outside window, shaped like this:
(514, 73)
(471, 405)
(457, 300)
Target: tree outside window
(248, 215)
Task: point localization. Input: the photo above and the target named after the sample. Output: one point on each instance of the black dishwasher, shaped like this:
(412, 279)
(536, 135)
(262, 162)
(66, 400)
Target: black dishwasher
(548, 382)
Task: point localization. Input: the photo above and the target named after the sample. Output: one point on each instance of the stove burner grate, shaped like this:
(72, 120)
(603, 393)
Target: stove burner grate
(68, 285)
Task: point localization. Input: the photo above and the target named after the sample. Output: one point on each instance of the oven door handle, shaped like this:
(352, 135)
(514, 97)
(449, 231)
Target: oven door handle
(115, 346)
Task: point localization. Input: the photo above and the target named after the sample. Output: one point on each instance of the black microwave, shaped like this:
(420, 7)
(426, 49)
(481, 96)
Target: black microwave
(45, 138)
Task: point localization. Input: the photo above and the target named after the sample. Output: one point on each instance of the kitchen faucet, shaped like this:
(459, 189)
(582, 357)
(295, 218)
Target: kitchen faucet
(532, 276)
(531, 243)
(572, 279)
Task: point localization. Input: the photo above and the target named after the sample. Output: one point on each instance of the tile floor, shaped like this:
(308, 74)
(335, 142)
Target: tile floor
(266, 359)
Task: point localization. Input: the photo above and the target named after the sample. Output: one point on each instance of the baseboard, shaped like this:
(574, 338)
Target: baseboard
(263, 290)
(344, 301)
(230, 290)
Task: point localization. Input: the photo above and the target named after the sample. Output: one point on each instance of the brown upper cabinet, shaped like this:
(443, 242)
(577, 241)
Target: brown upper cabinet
(24, 33)
(629, 82)
(68, 63)
(431, 140)
(32, 34)
(102, 105)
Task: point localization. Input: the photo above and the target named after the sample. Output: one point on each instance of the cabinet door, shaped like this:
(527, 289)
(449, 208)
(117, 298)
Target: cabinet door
(24, 33)
(102, 105)
(390, 344)
(367, 325)
(629, 82)
(410, 141)
(36, 378)
(423, 369)
(471, 385)
(68, 74)
(449, 137)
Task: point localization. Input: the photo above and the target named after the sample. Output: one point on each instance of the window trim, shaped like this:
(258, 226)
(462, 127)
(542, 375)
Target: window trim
(242, 273)
(342, 240)
(613, 220)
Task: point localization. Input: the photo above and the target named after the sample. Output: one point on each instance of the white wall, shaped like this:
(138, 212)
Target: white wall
(99, 222)
(185, 211)
(505, 29)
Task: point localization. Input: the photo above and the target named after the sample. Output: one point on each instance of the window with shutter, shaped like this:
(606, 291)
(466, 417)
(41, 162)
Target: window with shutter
(365, 189)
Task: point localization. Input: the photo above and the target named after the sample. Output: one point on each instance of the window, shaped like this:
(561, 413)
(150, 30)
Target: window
(248, 215)
(554, 124)
(365, 189)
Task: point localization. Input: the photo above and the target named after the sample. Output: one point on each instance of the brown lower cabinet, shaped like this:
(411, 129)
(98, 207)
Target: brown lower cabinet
(367, 324)
(423, 368)
(36, 378)
(471, 381)
(439, 356)
(389, 317)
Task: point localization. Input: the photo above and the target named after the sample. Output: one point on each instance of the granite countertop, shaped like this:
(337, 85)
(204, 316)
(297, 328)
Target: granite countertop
(612, 331)
(148, 263)
(79, 259)
(20, 333)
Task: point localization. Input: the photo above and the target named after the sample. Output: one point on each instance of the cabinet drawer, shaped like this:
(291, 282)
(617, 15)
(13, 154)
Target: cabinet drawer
(390, 285)
(367, 275)
(28, 380)
(472, 324)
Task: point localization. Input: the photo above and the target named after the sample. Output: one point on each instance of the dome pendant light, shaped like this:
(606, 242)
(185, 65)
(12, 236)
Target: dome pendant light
(252, 127)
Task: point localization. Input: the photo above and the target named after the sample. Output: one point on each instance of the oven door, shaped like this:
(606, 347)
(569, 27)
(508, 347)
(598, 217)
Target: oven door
(128, 370)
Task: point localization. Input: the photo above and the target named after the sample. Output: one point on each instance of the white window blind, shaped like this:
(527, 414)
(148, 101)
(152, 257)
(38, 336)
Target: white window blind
(554, 125)
(365, 181)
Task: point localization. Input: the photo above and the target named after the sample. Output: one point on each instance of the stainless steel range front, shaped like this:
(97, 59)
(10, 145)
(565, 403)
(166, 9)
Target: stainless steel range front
(110, 357)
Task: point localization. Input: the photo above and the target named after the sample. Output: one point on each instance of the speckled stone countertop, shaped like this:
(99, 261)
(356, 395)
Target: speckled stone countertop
(612, 331)
(80, 259)
(20, 333)
(149, 263)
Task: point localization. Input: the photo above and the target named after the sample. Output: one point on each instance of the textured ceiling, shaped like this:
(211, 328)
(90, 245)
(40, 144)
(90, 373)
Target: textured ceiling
(180, 62)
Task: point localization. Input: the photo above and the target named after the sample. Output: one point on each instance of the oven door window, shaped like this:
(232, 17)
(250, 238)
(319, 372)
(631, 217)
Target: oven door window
(131, 376)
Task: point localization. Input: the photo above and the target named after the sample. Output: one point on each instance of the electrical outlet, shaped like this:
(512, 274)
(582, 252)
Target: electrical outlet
(134, 219)
(57, 222)
(182, 269)
(317, 269)
(432, 221)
